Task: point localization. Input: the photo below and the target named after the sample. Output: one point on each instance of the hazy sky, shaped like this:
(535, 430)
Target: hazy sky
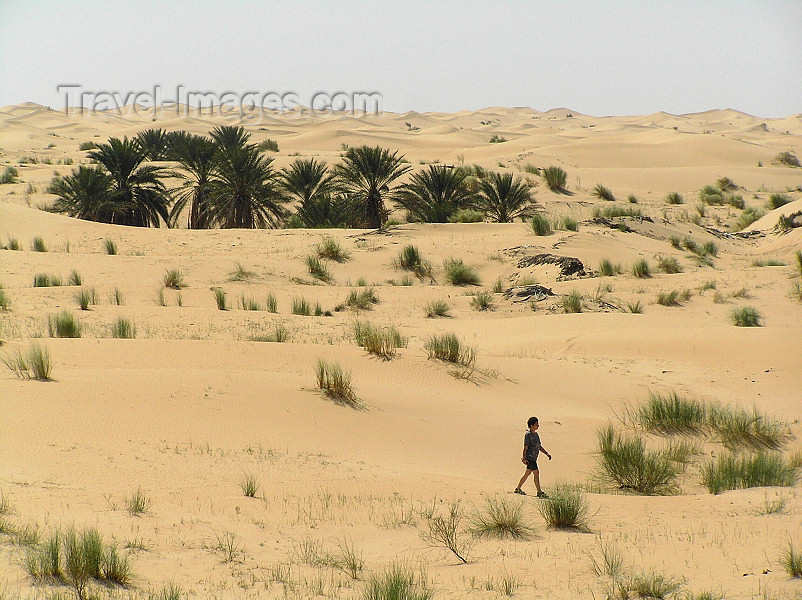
(596, 57)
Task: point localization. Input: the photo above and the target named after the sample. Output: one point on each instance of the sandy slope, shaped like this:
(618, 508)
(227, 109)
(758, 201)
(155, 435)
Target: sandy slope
(191, 406)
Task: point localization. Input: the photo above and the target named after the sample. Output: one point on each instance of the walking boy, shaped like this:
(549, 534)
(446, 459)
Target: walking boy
(532, 449)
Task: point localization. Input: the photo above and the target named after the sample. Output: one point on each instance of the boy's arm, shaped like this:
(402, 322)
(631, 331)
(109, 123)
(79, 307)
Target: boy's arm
(543, 450)
(523, 458)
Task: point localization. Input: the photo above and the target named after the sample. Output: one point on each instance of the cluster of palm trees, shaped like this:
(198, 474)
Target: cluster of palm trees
(226, 181)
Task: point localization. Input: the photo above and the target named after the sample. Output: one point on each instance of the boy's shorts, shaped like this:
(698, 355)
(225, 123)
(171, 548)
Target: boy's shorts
(531, 465)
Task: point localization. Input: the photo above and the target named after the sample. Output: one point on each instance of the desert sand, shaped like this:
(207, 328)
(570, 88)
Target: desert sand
(192, 406)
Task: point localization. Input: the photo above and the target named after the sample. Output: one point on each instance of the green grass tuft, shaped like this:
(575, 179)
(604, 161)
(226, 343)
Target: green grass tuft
(541, 225)
(437, 308)
(336, 383)
(123, 328)
(669, 264)
(603, 193)
(791, 561)
(240, 273)
(63, 325)
(75, 278)
(86, 297)
(565, 508)
(220, 298)
(249, 485)
(39, 245)
(35, 363)
(572, 303)
(318, 268)
(635, 307)
(675, 198)
(483, 301)
(449, 348)
(741, 471)
(746, 316)
(300, 306)
(555, 178)
(380, 341)
(501, 518)
(137, 503)
(45, 280)
(458, 273)
(397, 582)
(111, 247)
(329, 248)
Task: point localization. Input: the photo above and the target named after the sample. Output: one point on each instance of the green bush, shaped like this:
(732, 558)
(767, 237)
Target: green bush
(569, 223)
(437, 308)
(329, 248)
(5, 301)
(45, 280)
(398, 582)
(740, 471)
(63, 325)
(173, 279)
(458, 273)
(271, 304)
(249, 485)
(380, 341)
(792, 561)
(86, 297)
(787, 159)
(13, 244)
(10, 175)
(269, 146)
(467, 215)
(627, 462)
(572, 303)
(87, 146)
(777, 200)
(448, 347)
(336, 383)
(555, 178)
(669, 264)
(673, 298)
(501, 518)
(641, 269)
(240, 273)
(612, 212)
(603, 193)
(675, 198)
(111, 247)
(746, 218)
(318, 268)
(670, 414)
(739, 428)
(565, 508)
(541, 225)
(75, 278)
(220, 298)
(38, 244)
(608, 269)
(361, 299)
(745, 316)
(35, 363)
(482, 301)
(300, 306)
(123, 329)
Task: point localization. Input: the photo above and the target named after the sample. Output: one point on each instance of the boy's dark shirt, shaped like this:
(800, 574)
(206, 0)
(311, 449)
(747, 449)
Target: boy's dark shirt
(532, 443)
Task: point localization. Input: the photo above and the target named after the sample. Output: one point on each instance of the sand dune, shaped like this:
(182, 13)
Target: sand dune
(194, 404)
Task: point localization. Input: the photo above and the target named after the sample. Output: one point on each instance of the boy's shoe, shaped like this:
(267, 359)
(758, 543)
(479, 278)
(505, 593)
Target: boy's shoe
(519, 491)
(542, 495)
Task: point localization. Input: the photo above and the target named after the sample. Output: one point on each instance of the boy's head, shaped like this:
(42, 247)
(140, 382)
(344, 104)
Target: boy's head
(532, 421)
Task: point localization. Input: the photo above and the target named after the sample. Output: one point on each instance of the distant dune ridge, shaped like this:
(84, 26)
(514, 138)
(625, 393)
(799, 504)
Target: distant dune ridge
(205, 452)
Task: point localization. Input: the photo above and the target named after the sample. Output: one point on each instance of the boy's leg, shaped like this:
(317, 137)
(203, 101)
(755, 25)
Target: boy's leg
(537, 481)
(523, 479)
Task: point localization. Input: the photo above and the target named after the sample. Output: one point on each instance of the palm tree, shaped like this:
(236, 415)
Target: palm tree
(230, 138)
(329, 211)
(83, 194)
(306, 179)
(137, 195)
(434, 195)
(503, 198)
(197, 156)
(154, 142)
(244, 191)
(366, 175)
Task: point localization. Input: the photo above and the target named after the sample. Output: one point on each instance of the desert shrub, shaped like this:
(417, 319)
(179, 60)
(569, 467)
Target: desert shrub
(572, 303)
(675, 198)
(397, 582)
(482, 301)
(220, 298)
(497, 139)
(746, 470)
(641, 269)
(318, 268)
(87, 146)
(271, 304)
(63, 325)
(45, 280)
(35, 363)
(739, 428)
(673, 298)
(569, 223)
(644, 585)
(300, 306)
(670, 414)
(565, 508)
(608, 269)
(111, 247)
(745, 316)
(467, 215)
(249, 485)
(541, 225)
(555, 178)
(115, 568)
(449, 348)
(611, 212)
(444, 530)
(9, 175)
(798, 263)
(363, 299)
(268, 146)
(38, 244)
(249, 303)
(792, 561)
(603, 193)
(280, 334)
(437, 308)
(123, 328)
(787, 159)
(160, 297)
(13, 244)
(458, 273)
(240, 273)
(501, 518)
(5, 301)
(627, 462)
(746, 218)
(174, 279)
(86, 297)
(635, 307)
(137, 503)
(796, 290)
(409, 258)
(669, 264)
(336, 383)
(777, 200)
(381, 341)
(330, 249)
(75, 278)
